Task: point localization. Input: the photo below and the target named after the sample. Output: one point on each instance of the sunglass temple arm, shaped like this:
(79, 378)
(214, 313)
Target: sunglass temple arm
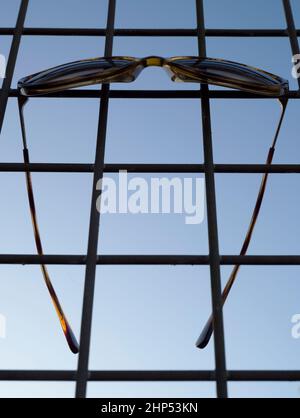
(67, 330)
(208, 329)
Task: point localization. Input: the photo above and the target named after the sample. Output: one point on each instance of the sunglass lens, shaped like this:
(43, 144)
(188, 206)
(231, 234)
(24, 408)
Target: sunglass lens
(227, 74)
(79, 73)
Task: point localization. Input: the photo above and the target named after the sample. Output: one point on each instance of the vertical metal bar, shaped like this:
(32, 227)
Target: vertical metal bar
(291, 29)
(219, 340)
(12, 58)
(89, 286)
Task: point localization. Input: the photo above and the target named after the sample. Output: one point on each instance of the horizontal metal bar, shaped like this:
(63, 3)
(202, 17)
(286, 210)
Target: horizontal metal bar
(257, 168)
(155, 94)
(37, 375)
(150, 168)
(149, 32)
(264, 376)
(30, 259)
(103, 259)
(47, 167)
(261, 260)
(193, 375)
(151, 375)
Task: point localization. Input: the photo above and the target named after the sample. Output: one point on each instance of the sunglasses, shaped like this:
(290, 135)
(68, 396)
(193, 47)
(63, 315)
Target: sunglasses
(124, 70)
(180, 69)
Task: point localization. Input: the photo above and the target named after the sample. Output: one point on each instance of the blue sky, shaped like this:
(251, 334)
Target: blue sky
(149, 317)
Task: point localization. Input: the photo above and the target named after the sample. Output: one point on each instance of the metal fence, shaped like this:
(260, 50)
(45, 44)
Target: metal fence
(83, 375)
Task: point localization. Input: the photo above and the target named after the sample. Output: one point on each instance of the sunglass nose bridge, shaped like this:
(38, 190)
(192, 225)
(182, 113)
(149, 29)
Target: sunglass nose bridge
(154, 61)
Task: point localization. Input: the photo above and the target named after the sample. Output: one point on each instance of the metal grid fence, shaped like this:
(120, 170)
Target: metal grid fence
(83, 375)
